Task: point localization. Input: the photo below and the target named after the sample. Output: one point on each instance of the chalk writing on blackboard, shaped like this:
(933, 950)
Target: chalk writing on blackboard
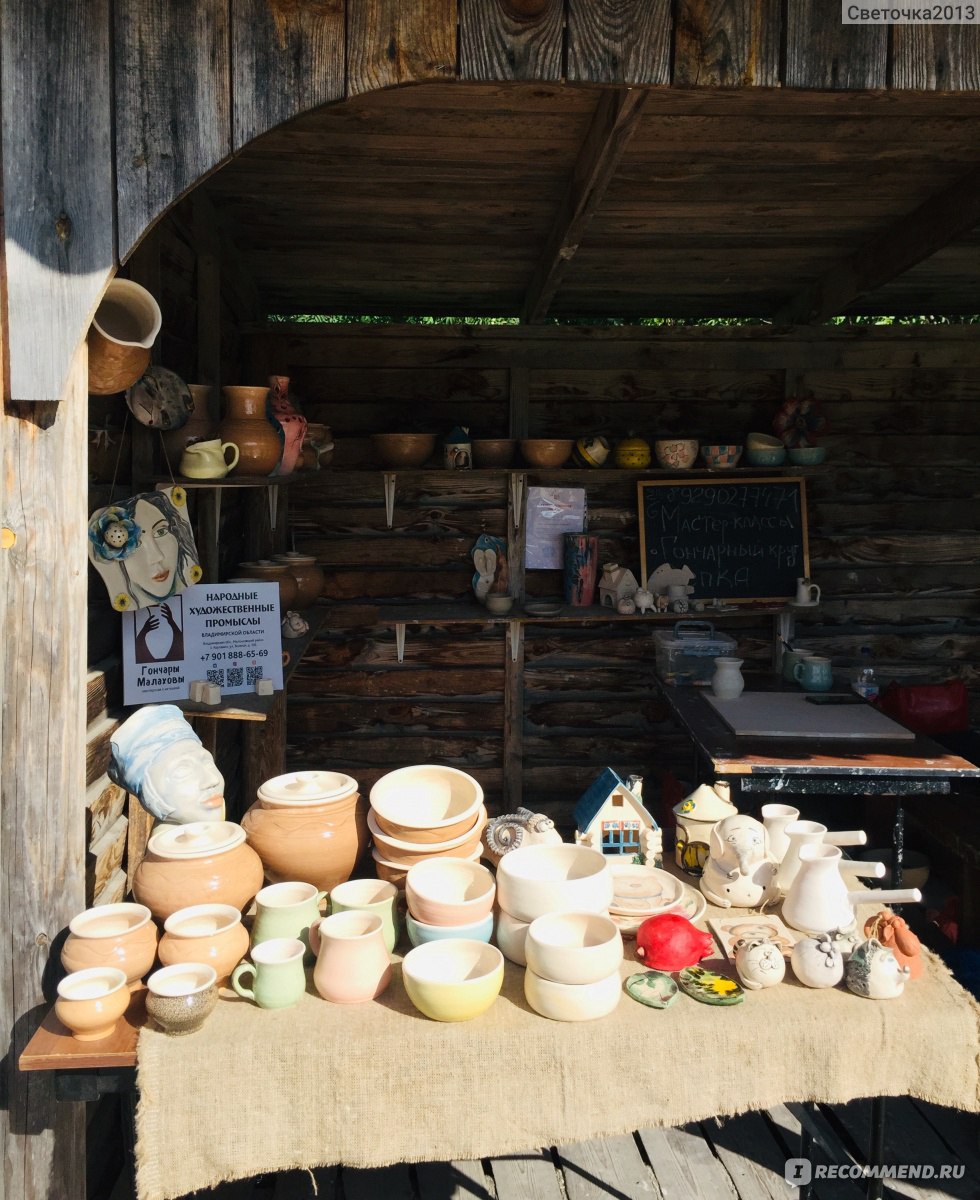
(742, 540)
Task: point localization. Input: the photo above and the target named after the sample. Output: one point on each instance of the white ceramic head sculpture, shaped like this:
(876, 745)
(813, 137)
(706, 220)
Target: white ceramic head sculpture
(157, 756)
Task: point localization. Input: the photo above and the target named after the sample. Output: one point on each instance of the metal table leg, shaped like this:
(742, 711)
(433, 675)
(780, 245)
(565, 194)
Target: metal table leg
(806, 1152)
(876, 1148)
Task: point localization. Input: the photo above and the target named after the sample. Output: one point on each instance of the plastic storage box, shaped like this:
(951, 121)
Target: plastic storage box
(686, 654)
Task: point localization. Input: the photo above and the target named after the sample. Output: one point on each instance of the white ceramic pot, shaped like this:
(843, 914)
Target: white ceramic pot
(727, 682)
(536, 880)
(575, 948)
(572, 1001)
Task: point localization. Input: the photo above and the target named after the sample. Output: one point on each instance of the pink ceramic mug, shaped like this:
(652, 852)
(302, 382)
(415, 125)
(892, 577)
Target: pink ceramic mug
(352, 963)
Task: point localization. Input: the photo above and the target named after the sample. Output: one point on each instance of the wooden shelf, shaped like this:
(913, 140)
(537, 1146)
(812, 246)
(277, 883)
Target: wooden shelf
(461, 613)
(575, 474)
(53, 1048)
(234, 481)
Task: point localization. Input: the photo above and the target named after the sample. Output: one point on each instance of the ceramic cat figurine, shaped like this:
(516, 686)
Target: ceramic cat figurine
(760, 964)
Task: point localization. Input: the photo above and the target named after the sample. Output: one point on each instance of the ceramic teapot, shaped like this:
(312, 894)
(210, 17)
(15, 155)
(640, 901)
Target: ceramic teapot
(208, 460)
(739, 870)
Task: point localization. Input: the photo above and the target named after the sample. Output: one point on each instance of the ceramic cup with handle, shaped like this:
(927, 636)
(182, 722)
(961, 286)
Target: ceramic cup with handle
(278, 975)
(287, 910)
(208, 460)
(790, 659)
(814, 674)
(370, 896)
(807, 592)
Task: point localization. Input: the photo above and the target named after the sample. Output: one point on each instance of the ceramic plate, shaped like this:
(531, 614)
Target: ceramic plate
(643, 891)
(160, 399)
(692, 904)
(542, 608)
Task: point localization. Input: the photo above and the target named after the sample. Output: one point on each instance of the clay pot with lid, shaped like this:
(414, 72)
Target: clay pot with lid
(308, 826)
(204, 862)
(308, 575)
(247, 423)
(264, 570)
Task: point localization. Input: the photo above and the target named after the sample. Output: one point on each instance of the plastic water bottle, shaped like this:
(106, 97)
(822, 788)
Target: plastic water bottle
(864, 682)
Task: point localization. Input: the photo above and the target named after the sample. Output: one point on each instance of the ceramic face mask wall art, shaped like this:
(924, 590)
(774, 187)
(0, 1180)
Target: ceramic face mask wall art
(144, 548)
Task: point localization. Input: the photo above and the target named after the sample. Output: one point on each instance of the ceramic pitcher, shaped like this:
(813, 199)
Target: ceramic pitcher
(352, 963)
(811, 833)
(807, 592)
(208, 460)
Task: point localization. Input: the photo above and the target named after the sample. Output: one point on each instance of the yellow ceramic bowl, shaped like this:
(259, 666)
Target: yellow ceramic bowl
(453, 980)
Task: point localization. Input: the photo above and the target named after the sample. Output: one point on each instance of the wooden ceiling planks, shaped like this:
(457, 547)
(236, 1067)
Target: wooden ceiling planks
(717, 44)
(511, 39)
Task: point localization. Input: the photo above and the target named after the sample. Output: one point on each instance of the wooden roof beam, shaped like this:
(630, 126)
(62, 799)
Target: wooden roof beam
(934, 224)
(616, 118)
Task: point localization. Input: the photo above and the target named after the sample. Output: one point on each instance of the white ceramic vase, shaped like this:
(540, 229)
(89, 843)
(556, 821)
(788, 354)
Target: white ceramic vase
(727, 682)
(776, 817)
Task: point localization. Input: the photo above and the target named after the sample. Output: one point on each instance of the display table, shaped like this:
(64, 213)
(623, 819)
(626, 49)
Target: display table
(373, 1084)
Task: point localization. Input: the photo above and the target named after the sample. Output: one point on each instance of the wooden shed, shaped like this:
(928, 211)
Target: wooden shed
(569, 167)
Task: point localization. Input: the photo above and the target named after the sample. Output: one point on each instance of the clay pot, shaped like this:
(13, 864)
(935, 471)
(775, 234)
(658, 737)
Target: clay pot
(246, 423)
(181, 997)
(205, 933)
(308, 826)
(90, 1002)
(205, 862)
(200, 425)
(112, 935)
(124, 327)
(308, 575)
(267, 571)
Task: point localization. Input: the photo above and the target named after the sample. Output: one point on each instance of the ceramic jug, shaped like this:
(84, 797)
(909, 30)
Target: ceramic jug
(775, 817)
(247, 423)
(727, 682)
(124, 327)
(807, 592)
(811, 833)
(352, 963)
(814, 674)
(208, 460)
(819, 900)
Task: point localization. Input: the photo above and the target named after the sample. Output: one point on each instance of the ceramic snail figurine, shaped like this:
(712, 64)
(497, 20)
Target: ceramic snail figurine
(817, 962)
(739, 870)
(643, 600)
(521, 828)
(760, 963)
(873, 971)
(669, 942)
(893, 932)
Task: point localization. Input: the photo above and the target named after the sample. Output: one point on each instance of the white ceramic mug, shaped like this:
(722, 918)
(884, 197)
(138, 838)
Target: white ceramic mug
(807, 592)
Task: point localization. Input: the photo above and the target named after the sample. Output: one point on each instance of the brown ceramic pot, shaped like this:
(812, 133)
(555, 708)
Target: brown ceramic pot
(205, 933)
(112, 935)
(310, 826)
(200, 426)
(246, 423)
(267, 571)
(205, 862)
(308, 575)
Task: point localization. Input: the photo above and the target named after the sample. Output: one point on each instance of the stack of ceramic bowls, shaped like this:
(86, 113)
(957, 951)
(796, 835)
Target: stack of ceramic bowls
(424, 812)
(573, 961)
(449, 899)
(534, 881)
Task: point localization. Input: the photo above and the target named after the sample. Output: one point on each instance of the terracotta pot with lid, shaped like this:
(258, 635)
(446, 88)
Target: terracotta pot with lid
(204, 862)
(308, 575)
(264, 570)
(308, 826)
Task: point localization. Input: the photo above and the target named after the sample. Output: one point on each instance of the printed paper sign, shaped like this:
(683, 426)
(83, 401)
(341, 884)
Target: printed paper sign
(551, 512)
(224, 633)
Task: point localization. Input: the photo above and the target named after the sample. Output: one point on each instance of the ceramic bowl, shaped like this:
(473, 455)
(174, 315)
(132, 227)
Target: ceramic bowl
(721, 455)
(396, 850)
(535, 880)
(181, 997)
(404, 449)
(676, 453)
(453, 980)
(546, 452)
(112, 935)
(765, 456)
(395, 872)
(477, 931)
(426, 803)
(512, 937)
(449, 891)
(493, 452)
(91, 1001)
(572, 1001)
(499, 604)
(763, 441)
(573, 947)
(205, 933)
(807, 456)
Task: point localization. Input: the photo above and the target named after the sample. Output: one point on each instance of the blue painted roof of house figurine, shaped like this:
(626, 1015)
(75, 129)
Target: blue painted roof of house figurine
(597, 793)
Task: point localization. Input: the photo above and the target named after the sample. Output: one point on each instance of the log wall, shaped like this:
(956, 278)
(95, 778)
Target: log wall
(892, 532)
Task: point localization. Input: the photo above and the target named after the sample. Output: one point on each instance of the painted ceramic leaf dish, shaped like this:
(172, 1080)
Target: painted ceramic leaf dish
(709, 987)
(655, 989)
(640, 890)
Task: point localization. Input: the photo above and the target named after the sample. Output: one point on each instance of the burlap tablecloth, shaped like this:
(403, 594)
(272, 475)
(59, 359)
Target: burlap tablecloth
(374, 1084)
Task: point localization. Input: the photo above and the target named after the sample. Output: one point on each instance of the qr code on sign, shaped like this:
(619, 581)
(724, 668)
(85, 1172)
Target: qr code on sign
(216, 675)
(234, 677)
(254, 673)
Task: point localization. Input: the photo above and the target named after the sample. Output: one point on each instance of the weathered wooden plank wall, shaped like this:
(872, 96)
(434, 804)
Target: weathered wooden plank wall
(891, 531)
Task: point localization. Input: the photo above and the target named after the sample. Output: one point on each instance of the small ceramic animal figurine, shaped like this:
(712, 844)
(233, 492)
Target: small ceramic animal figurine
(893, 931)
(817, 962)
(739, 870)
(669, 942)
(626, 606)
(873, 971)
(293, 625)
(521, 828)
(760, 964)
(643, 600)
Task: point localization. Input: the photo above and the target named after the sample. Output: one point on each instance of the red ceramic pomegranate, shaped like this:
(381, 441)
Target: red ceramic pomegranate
(670, 942)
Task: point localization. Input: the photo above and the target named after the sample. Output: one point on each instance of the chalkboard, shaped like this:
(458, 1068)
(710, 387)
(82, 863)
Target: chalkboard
(735, 540)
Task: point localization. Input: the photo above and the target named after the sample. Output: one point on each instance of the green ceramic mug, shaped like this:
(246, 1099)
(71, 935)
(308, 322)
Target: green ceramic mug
(287, 910)
(814, 674)
(370, 896)
(279, 977)
(790, 659)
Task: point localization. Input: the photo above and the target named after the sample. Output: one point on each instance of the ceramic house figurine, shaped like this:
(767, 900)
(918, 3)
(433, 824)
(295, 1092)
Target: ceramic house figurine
(522, 828)
(697, 814)
(873, 971)
(617, 583)
(158, 757)
(739, 871)
(610, 817)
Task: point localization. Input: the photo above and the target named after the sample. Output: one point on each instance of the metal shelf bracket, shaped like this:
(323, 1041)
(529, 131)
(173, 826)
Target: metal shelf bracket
(390, 499)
